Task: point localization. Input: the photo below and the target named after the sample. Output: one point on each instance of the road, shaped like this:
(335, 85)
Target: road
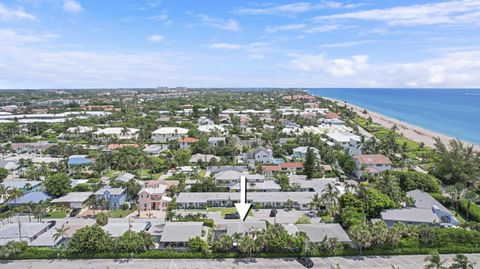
(371, 262)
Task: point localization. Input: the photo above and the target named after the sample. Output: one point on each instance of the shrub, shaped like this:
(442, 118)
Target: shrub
(101, 218)
(412, 180)
(209, 222)
(125, 206)
(303, 220)
(12, 248)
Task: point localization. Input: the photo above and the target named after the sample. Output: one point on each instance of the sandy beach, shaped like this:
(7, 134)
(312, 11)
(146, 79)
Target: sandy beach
(410, 131)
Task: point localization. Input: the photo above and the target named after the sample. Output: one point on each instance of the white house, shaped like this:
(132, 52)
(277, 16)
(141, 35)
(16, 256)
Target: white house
(216, 141)
(371, 164)
(117, 133)
(350, 142)
(165, 134)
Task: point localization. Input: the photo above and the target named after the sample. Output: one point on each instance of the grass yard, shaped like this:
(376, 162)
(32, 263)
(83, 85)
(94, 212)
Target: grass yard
(226, 210)
(120, 213)
(56, 214)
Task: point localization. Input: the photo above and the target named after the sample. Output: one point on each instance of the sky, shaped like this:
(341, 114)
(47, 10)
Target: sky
(238, 43)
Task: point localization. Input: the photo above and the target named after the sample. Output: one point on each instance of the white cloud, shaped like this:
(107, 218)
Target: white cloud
(12, 38)
(292, 8)
(225, 46)
(14, 14)
(334, 67)
(450, 12)
(228, 25)
(155, 38)
(287, 27)
(455, 69)
(72, 6)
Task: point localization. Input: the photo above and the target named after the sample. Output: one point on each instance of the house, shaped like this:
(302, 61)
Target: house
(79, 130)
(117, 229)
(25, 231)
(291, 167)
(300, 153)
(204, 121)
(239, 227)
(33, 197)
(319, 231)
(206, 158)
(260, 155)
(73, 200)
(166, 134)
(31, 147)
(177, 234)
(351, 143)
(187, 170)
(117, 133)
(425, 200)
(125, 177)
(186, 142)
(371, 164)
(427, 211)
(269, 170)
(22, 185)
(228, 178)
(155, 149)
(216, 141)
(196, 200)
(261, 186)
(78, 163)
(115, 196)
(153, 198)
(111, 147)
(214, 128)
(315, 185)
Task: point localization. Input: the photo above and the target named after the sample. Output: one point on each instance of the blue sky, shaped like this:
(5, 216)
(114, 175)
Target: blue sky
(233, 43)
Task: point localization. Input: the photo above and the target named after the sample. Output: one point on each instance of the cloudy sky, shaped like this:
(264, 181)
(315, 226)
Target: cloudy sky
(238, 43)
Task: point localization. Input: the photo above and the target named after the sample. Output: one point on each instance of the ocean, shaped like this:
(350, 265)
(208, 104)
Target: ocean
(452, 112)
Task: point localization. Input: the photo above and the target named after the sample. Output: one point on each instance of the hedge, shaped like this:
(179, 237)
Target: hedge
(49, 253)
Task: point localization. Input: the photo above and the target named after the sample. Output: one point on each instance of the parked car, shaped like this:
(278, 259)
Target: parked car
(235, 215)
(305, 261)
(311, 214)
(273, 213)
(74, 212)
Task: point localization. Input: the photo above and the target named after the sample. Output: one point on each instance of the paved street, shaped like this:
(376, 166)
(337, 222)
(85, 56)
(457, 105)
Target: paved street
(403, 262)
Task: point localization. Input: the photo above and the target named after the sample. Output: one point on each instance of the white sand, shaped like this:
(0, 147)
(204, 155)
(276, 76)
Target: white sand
(410, 131)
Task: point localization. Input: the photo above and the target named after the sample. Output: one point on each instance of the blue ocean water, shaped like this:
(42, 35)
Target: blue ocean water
(453, 112)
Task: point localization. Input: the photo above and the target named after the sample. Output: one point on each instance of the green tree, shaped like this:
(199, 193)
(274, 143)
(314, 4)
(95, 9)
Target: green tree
(58, 184)
(133, 242)
(433, 261)
(461, 262)
(303, 220)
(12, 248)
(101, 218)
(222, 243)
(60, 233)
(310, 163)
(90, 240)
(3, 174)
(361, 235)
(197, 244)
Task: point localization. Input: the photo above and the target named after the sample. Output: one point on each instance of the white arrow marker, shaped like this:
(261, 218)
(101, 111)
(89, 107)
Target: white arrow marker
(243, 207)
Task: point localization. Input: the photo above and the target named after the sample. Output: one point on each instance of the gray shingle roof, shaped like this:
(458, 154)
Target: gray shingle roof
(425, 200)
(317, 232)
(181, 231)
(418, 215)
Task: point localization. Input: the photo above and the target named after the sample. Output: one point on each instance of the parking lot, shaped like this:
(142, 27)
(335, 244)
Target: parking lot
(357, 262)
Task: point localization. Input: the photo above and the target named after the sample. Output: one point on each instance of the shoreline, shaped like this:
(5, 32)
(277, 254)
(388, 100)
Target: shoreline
(410, 131)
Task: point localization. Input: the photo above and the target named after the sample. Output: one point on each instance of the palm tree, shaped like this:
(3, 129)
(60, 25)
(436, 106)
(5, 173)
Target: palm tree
(330, 195)
(316, 203)
(92, 203)
(455, 192)
(434, 262)
(15, 193)
(60, 233)
(471, 197)
(461, 262)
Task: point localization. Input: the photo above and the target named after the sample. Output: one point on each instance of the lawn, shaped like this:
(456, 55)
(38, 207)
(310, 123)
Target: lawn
(56, 214)
(120, 213)
(226, 210)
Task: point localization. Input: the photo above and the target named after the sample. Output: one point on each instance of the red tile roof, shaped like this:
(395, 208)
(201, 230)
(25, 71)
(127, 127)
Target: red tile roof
(332, 115)
(271, 168)
(296, 165)
(373, 159)
(187, 140)
(119, 146)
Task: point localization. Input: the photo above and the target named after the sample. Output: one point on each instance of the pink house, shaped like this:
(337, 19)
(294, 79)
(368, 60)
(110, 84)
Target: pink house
(153, 198)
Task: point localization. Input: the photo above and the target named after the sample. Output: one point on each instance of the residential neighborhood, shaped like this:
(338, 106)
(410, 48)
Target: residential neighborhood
(325, 179)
